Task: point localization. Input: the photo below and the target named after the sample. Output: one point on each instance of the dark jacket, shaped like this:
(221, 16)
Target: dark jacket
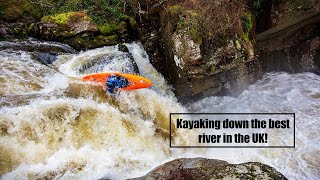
(111, 83)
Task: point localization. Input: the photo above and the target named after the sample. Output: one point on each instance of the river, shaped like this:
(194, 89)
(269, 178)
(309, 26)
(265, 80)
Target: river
(52, 124)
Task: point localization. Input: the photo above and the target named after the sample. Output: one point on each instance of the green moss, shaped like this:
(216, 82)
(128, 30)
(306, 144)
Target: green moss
(104, 41)
(89, 42)
(107, 28)
(64, 18)
(247, 23)
(194, 33)
(133, 22)
(175, 9)
(181, 23)
(30, 27)
(112, 28)
(187, 21)
(111, 39)
(245, 37)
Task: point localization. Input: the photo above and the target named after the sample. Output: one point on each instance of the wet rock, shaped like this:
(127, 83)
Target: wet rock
(47, 58)
(190, 44)
(44, 52)
(292, 47)
(201, 168)
(123, 48)
(33, 45)
(91, 42)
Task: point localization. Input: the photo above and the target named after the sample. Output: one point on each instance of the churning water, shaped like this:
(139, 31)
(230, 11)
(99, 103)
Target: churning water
(52, 124)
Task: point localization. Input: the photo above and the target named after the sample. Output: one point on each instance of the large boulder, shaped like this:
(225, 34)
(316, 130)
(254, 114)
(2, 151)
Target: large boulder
(79, 30)
(86, 29)
(201, 168)
(205, 47)
(61, 26)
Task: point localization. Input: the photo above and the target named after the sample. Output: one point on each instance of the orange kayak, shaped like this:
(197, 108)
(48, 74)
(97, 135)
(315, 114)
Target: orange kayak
(135, 81)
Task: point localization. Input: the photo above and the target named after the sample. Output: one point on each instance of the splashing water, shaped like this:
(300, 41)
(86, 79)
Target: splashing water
(278, 92)
(54, 125)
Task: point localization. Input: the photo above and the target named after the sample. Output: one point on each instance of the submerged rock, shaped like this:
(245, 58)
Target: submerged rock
(201, 168)
(47, 58)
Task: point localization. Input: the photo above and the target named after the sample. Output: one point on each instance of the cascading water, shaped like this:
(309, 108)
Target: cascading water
(52, 124)
(278, 92)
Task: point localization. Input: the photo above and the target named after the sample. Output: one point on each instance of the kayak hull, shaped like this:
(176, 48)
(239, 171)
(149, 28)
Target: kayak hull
(136, 82)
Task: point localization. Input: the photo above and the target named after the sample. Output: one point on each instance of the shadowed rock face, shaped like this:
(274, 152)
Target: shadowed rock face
(292, 47)
(201, 168)
(199, 54)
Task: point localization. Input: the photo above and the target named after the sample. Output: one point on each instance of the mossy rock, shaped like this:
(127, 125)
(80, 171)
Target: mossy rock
(66, 25)
(90, 42)
(65, 18)
(122, 47)
(106, 40)
(188, 21)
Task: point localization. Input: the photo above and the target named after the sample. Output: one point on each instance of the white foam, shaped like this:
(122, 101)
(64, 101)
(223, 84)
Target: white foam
(277, 92)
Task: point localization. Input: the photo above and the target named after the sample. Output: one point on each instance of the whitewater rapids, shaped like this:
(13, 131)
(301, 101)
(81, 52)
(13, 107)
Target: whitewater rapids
(54, 125)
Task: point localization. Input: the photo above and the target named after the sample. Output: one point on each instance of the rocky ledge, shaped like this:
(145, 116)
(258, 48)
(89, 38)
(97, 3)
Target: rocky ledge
(81, 24)
(201, 168)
